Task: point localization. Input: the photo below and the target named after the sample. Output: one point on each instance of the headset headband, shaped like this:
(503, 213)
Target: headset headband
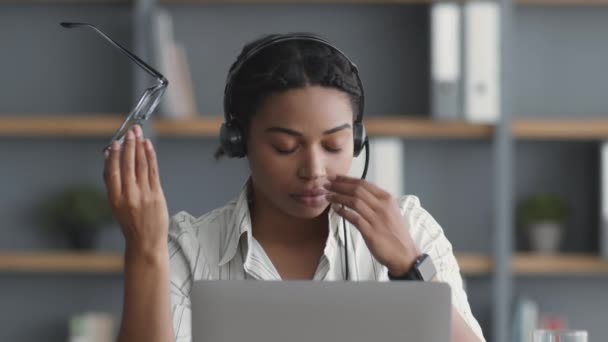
(276, 40)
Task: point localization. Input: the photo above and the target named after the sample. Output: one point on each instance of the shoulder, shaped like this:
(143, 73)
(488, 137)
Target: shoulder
(189, 234)
(422, 226)
(183, 222)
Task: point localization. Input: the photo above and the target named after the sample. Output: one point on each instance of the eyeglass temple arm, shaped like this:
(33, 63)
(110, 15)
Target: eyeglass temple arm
(129, 54)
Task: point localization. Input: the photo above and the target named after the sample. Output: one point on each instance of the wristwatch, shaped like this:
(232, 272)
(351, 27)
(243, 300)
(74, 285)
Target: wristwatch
(422, 270)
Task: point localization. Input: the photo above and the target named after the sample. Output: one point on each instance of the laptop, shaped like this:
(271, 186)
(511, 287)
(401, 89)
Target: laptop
(311, 311)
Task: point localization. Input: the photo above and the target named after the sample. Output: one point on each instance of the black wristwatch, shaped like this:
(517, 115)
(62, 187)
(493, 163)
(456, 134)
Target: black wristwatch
(422, 270)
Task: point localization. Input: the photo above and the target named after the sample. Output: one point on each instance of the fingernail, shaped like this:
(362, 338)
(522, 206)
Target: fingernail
(148, 144)
(138, 131)
(335, 206)
(106, 153)
(130, 135)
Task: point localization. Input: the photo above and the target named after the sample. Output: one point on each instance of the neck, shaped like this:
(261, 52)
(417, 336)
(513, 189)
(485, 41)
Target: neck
(271, 224)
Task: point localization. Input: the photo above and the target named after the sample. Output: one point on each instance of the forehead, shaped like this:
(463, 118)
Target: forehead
(315, 107)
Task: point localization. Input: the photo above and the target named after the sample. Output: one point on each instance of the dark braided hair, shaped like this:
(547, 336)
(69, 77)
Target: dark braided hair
(287, 65)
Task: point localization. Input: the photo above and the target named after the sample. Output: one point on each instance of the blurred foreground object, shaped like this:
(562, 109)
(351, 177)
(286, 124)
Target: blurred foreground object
(91, 327)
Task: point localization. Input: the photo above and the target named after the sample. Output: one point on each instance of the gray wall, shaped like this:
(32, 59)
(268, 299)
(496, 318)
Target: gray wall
(49, 70)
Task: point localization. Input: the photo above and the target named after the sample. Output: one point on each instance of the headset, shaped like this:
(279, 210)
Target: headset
(232, 138)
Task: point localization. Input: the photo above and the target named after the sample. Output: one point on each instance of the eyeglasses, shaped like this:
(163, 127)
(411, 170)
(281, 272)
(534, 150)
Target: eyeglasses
(148, 100)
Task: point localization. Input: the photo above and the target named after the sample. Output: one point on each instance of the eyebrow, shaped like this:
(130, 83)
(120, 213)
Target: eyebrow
(298, 134)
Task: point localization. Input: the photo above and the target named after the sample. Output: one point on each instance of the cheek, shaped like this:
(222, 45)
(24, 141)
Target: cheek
(268, 166)
(341, 165)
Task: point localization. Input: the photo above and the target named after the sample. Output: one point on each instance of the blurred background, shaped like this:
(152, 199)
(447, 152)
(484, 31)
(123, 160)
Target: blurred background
(493, 115)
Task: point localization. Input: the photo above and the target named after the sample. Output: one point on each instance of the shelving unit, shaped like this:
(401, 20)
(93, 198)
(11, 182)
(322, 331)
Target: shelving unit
(103, 125)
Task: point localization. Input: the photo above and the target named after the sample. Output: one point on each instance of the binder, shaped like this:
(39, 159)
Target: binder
(604, 199)
(482, 95)
(446, 81)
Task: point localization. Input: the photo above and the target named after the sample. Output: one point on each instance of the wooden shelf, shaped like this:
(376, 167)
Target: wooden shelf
(199, 127)
(425, 128)
(565, 264)
(526, 264)
(375, 126)
(474, 265)
(561, 2)
(471, 265)
(294, 2)
(60, 126)
(88, 262)
(100, 125)
(104, 125)
(60, 262)
(560, 129)
(377, 2)
(73, 2)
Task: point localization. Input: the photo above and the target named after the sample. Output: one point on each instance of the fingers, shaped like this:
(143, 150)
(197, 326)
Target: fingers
(112, 172)
(127, 163)
(153, 177)
(355, 190)
(141, 160)
(354, 218)
(354, 203)
(372, 188)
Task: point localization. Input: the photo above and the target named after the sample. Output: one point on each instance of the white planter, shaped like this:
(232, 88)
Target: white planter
(545, 237)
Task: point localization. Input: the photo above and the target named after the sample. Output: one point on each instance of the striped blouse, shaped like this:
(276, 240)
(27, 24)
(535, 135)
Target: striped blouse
(220, 245)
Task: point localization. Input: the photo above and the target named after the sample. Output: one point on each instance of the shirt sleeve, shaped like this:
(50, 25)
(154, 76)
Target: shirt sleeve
(430, 238)
(183, 247)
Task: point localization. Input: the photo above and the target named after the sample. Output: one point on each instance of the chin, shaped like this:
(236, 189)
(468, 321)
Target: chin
(302, 211)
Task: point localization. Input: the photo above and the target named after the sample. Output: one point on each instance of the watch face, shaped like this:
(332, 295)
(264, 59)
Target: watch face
(426, 269)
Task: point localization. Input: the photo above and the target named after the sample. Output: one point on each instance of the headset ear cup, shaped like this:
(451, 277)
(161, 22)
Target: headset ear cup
(359, 137)
(231, 140)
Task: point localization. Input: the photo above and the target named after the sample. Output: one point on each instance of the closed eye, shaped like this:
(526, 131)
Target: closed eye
(285, 152)
(333, 150)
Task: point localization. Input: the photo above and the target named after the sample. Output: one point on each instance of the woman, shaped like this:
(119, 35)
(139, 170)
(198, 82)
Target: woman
(296, 103)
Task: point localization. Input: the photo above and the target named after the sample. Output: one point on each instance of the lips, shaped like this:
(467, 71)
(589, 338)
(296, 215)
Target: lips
(312, 198)
(312, 193)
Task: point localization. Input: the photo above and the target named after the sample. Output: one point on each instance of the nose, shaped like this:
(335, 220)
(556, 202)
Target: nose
(312, 165)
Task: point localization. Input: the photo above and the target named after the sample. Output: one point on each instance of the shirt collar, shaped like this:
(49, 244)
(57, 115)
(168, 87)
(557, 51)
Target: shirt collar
(239, 223)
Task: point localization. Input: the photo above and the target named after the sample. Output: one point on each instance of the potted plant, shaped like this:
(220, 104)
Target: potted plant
(79, 212)
(543, 217)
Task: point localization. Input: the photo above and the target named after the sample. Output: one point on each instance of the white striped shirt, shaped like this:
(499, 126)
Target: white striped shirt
(220, 245)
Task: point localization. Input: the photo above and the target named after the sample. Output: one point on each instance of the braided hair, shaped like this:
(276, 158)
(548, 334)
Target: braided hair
(283, 66)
